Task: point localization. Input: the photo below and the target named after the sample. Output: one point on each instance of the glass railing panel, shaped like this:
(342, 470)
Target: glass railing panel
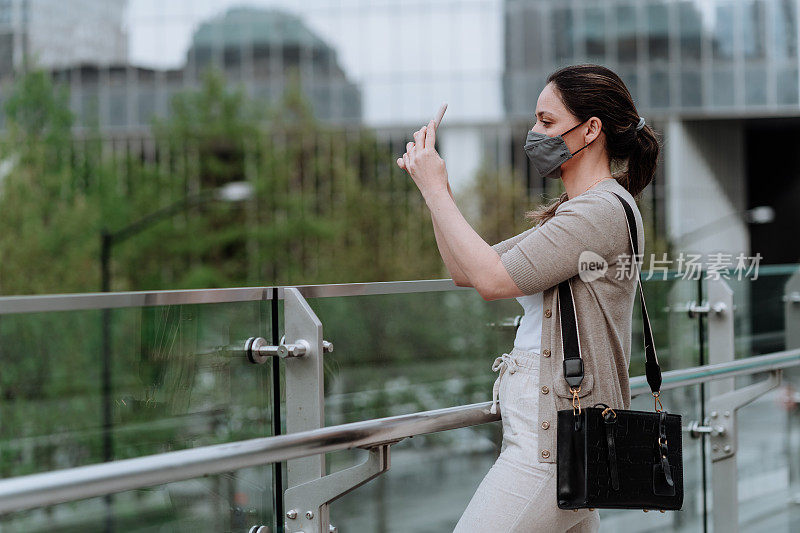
(766, 320)
(676, 335)
(768, 458)
(175, 380)
(233, 502)
(675, 331)
(397, 354)
(404, 353)
(762, 313)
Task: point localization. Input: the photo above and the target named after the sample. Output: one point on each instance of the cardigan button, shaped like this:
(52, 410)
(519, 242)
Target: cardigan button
(545, 390)
(547, 313)
(545, 454)
(546, 352)
(545, 424)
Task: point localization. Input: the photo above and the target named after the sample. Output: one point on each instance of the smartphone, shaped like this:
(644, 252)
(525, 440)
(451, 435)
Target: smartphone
(439, 116)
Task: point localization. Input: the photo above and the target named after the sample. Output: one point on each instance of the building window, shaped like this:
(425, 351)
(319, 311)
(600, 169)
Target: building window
(690, 28)
(563, 24)
(595, 31)
(784, 25)
(787, 86)
(691, 89)
(722, 92)
(626, 34)
(658, 32)
(722, 37)
(659, 89)
(755, 85)
(753, 31)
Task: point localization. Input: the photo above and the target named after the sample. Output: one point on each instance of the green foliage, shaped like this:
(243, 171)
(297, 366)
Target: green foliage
(38, 114)
(327, 207)
(502, 202)
(44, 209)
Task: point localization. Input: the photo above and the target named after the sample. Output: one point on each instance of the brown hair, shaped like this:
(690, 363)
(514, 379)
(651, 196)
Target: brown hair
(595, 91)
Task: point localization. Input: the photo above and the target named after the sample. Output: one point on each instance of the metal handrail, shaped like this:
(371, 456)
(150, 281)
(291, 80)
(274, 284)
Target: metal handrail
(685, 377)
(48, 488)
(110, 300)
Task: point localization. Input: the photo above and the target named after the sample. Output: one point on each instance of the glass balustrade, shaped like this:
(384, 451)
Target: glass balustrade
(174, 381)
(175, 377)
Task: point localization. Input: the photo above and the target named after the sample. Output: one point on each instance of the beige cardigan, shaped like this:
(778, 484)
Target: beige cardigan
(539, 258)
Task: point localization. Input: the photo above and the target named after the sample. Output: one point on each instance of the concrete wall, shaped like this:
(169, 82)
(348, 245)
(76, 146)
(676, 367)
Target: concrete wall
(706, 186)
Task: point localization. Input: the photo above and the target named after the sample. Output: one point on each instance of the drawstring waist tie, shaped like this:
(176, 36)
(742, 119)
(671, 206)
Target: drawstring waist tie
(511, 362)
(503, 363)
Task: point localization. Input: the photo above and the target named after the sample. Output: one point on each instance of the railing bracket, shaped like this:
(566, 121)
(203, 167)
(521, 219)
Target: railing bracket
(306, 499)
(258, 350)
(723, 409)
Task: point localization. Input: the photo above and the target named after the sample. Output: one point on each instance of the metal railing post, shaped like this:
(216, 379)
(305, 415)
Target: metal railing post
(719, 322)
(309, 493)
(791, 307)
(720, 332)
(305, 403)
(723, 402)
(305, 386)
(791, 329)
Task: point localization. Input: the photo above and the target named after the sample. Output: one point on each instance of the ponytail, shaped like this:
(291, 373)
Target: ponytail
(641, 167)
(543, 213)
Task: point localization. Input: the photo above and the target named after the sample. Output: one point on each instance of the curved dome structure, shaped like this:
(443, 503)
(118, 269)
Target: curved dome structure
(259, 47)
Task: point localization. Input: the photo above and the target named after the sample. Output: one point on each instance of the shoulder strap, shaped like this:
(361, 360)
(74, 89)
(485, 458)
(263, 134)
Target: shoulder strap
(573, 363)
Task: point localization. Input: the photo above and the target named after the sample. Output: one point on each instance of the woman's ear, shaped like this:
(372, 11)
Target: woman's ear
(595, 126)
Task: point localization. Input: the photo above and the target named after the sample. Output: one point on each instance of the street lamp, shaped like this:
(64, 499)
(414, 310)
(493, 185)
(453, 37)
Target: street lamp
(235, 191)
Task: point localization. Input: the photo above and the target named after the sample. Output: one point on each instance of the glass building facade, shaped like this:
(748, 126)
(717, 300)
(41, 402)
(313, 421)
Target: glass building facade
(255, 48)
(54, 33)
(488, 58)
(678, 57)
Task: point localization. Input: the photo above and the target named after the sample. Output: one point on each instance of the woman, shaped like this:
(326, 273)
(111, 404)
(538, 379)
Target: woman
(586, 122)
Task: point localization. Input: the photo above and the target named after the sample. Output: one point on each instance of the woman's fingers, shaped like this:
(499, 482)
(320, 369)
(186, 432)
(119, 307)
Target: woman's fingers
(419, 142)
(401, 160)
(419, 138)
(430, 136)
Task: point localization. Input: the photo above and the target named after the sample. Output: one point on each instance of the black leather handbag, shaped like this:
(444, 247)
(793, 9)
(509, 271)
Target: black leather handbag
(615, 458)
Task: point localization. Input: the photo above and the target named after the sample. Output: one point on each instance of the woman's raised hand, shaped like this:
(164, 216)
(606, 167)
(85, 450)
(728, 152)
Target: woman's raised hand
(422, 161)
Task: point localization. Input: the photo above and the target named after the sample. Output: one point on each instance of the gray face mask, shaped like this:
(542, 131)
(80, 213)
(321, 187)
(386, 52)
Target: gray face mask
(548, 153)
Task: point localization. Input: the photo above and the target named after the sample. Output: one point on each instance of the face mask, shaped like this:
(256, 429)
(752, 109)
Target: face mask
(548, 153)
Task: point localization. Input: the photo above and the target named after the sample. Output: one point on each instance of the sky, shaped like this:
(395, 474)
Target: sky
(408, 56)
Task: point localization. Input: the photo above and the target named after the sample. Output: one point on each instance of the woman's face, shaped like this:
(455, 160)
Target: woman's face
(552, 118)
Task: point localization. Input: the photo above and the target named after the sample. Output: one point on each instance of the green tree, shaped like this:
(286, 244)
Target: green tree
(45, 211)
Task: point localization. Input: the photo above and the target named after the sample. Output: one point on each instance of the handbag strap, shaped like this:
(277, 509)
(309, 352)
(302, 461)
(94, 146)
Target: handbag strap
(570, 340)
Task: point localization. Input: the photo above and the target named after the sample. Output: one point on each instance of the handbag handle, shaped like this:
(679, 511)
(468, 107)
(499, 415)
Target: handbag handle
(573, 363)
